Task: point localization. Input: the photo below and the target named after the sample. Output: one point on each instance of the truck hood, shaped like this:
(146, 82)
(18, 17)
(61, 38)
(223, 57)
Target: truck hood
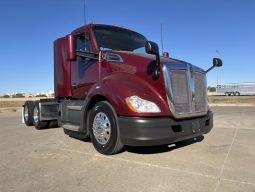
(131, 75)
(145, 57)
(131, 58)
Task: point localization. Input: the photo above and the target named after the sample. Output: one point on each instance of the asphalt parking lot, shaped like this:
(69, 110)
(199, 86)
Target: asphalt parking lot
(49, 160)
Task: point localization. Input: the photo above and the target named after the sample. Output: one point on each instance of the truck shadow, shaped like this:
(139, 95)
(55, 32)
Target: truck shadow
(164, 148)
(51, 125)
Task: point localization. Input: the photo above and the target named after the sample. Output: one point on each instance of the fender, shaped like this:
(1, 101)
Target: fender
(115, 89)
(118, 86)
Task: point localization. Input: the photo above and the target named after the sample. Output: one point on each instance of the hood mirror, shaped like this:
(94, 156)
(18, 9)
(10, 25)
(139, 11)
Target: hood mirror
(217, 62)
(152, 48)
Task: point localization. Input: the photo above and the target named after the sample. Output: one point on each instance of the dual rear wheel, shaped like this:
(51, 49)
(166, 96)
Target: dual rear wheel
(103, 125)
(31, 115)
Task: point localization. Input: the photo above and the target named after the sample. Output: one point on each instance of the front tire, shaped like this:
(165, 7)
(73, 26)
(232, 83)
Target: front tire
(36, 117)
(104, 130)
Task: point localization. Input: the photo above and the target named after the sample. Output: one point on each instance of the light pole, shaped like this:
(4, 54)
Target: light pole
(217, 55)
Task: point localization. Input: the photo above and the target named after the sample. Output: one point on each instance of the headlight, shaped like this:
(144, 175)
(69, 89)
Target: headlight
(140, 105)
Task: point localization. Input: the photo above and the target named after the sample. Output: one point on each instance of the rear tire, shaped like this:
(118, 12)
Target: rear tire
(53, 124)
(36, 117)
(104, 130)
(28, 113)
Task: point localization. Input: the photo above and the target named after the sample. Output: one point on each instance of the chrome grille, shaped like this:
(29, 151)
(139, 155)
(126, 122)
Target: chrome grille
(200, 92)
(180, 90)
(186, 90)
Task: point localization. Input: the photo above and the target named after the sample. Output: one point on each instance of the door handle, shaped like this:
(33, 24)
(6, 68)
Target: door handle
(74, 85)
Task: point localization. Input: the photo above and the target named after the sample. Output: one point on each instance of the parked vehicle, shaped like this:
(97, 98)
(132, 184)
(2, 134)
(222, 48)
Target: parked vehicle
(232, 89)
(112, 86)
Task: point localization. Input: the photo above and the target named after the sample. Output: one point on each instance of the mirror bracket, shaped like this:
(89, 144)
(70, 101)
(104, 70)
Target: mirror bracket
(212, 67)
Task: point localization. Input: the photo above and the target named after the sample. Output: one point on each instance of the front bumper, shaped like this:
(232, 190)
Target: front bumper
(148, 131)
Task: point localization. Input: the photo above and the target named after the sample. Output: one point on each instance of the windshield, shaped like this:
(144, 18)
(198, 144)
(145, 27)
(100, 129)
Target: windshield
(120, 39)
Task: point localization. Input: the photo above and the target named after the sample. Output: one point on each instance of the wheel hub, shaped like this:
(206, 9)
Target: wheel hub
(35, 115)
(101, 128)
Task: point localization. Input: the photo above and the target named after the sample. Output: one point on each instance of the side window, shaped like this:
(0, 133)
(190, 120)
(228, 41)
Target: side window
(82, 42)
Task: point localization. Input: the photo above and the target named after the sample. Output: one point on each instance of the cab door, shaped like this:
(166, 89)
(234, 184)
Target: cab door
(84, 70)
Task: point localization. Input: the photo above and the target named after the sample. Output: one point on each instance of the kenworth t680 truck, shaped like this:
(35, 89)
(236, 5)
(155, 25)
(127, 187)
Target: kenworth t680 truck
(112, 86)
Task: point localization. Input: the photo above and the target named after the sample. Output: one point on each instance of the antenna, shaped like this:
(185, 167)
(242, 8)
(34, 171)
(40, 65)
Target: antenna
(161, 34)
(217, 55)
(84, 12)
(85, 22)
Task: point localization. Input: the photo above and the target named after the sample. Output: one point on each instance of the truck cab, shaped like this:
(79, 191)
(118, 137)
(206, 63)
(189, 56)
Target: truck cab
(112, 86)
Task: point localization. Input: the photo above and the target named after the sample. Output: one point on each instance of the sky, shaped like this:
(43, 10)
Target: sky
(193, 30)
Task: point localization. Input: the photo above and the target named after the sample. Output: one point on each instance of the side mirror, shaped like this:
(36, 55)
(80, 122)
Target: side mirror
(70, 48)
(152, 48)
(166, 54)
(216, 63)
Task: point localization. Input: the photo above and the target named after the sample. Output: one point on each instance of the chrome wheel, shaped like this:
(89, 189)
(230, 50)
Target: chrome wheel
(104, 130)
(26, 113)
(101, 128)
(36, 115)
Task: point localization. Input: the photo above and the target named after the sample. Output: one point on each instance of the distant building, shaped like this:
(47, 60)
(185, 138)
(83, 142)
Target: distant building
(46, 94)
(49, 93)
(27, 95)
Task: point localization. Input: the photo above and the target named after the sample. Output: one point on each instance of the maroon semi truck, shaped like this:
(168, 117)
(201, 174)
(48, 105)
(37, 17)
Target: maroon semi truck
(113, 87)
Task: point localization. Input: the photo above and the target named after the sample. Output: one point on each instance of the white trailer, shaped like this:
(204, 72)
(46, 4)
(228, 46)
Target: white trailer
(237, 89)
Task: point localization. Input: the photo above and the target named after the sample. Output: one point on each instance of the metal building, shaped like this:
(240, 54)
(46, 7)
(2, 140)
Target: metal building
(232, 89)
